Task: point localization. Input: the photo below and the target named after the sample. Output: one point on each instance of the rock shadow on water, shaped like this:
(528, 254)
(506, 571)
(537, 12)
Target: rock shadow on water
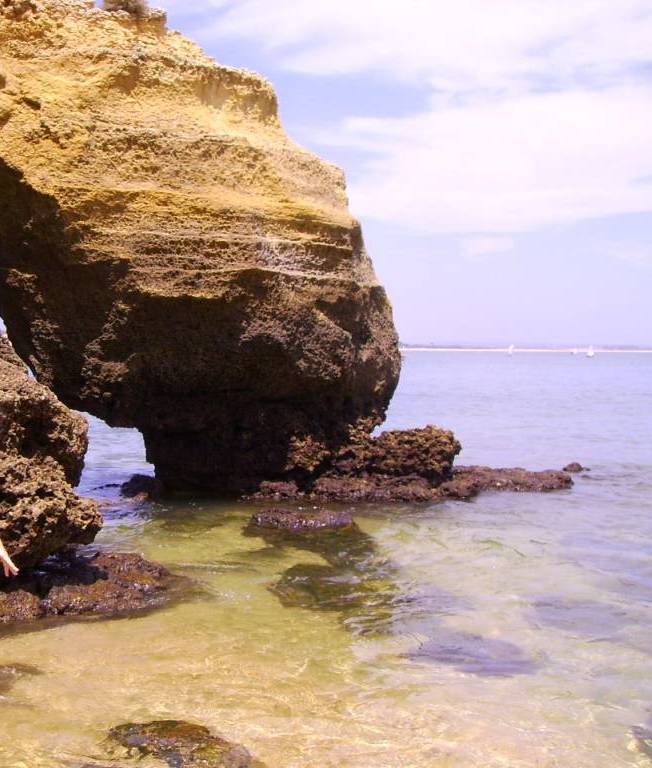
(583, 618)
(477, 655)
(356, 581)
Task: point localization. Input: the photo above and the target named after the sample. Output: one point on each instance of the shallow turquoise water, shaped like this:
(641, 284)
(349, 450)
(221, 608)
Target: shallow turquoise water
(511, 631)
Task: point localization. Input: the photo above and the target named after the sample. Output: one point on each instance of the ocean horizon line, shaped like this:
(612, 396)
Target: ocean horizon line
(525, 349)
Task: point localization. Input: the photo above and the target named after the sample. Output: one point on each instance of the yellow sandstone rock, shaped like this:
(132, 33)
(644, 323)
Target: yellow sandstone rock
(171, 260)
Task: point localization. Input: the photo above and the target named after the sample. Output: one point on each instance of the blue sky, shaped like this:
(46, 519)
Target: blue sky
(498, 152)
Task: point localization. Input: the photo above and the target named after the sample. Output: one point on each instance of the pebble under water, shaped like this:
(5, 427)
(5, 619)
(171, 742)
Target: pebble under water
(514, 630)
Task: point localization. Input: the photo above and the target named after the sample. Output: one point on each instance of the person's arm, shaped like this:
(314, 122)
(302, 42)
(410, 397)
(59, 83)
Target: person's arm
(7, 564)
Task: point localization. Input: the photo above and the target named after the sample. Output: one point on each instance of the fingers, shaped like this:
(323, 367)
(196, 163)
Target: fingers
(9, 568)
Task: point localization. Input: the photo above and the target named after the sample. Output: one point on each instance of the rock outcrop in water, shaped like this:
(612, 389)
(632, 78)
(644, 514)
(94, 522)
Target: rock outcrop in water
(42, 447)
(182, 745)
(170, 260)
(72, 586)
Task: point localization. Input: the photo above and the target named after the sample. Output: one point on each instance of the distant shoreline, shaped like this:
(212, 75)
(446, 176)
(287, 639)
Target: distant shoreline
(558, 350)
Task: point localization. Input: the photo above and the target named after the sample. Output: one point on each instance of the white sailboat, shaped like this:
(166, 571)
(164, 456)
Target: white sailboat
(510, 349)
(590, 352)
(574, 351)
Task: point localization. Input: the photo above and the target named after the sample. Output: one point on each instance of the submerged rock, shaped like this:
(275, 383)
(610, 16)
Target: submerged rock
(10, 673)
(575, 466)
(476, 655)
(355, 581)
(182, 745)
(171, 260)
(72, 585)
(642, 740)
(42, 447)
(300, 519)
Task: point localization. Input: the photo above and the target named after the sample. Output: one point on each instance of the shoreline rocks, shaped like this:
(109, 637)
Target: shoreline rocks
(42, 448)
(73, 585)
(170, 260)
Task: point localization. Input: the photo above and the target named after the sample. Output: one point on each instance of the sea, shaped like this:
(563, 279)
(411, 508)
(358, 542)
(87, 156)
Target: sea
(512, 631)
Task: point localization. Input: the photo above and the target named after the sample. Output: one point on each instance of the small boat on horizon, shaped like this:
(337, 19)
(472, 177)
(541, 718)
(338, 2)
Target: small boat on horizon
(590, 352)
(510, 349)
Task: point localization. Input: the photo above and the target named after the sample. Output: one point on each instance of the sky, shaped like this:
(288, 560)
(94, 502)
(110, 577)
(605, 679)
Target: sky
(497, 152)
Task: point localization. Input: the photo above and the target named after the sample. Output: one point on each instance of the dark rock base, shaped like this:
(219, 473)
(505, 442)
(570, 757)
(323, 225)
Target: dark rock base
(465, 483)
(70, 585)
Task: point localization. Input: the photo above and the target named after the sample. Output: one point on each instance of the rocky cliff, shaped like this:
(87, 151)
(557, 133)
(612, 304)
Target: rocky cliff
(42, 447)
(171, 260)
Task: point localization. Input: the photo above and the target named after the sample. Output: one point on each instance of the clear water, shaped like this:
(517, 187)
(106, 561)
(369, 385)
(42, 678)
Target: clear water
(511, 631)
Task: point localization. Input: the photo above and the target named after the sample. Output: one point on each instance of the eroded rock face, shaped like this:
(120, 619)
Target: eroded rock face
(42, 447)
(170, 260)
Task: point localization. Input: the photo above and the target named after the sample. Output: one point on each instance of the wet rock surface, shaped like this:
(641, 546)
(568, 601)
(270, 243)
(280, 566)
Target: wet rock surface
(182, 745)
(468, 482)
(42, 447)
(224, 303)
(300, 519)
(400, 465)
(142, 488)
(70, 585)
(409, 466)
(574, 467)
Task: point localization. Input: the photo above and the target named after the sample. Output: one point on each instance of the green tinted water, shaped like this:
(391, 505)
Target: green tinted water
(513, 631)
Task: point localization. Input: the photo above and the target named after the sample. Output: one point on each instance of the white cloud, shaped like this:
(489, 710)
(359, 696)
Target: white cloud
(539, 112)
(639, 255)
(455, 43)
(510, 165)
(479, 248)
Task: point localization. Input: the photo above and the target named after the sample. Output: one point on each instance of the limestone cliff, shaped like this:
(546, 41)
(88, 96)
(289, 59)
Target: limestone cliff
(42, 447)
(170, 260)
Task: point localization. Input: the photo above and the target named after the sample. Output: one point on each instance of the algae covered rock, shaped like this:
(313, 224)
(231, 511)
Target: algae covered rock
(71, 585)
(182, 745)
(171, 260)
(42, 447)
(314, 519)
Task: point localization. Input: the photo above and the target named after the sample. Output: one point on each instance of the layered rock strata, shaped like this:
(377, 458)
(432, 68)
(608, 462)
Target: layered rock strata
(171, 260)
(42, 448)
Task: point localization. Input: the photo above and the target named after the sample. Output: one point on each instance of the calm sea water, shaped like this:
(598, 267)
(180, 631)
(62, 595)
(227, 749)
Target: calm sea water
(511, 631)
